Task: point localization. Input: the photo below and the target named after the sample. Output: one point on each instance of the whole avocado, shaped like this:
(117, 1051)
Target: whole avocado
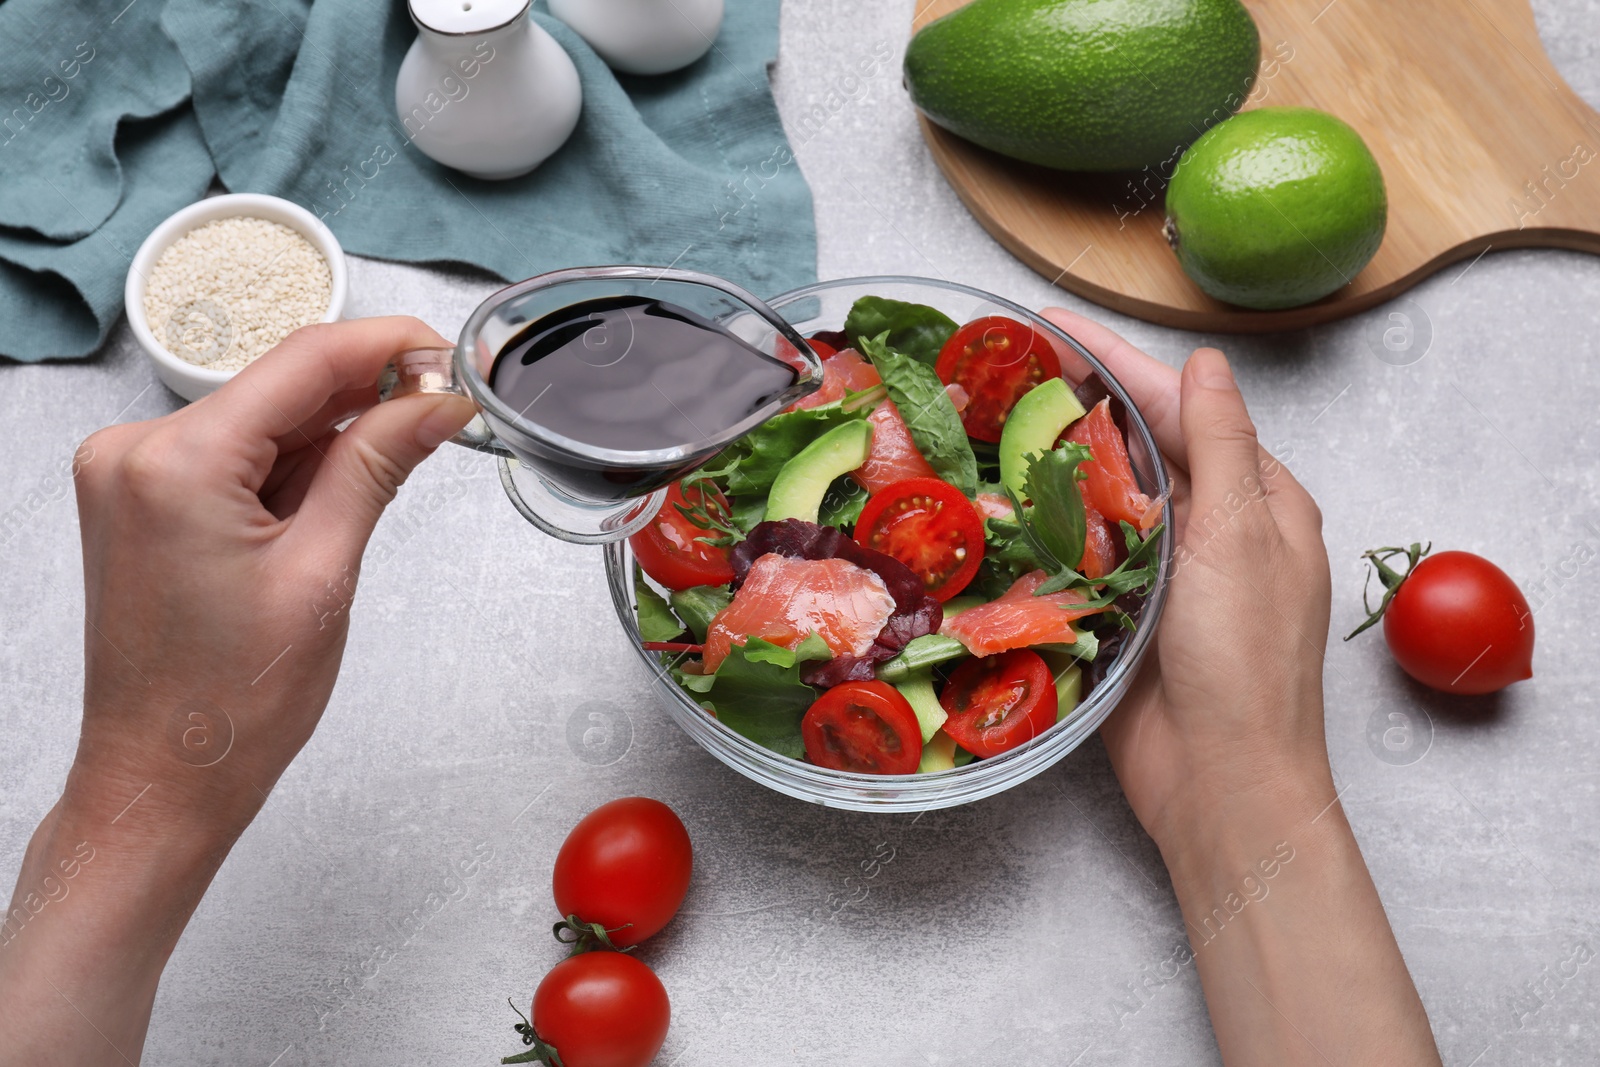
(1093, 85)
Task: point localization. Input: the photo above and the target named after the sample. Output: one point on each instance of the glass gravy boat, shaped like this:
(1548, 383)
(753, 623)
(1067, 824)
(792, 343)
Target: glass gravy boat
(571, 489)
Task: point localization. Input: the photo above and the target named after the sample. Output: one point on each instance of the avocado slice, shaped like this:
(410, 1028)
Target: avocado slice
(1068, 673)
(1033, 426)
(802, 482)
(938, 753)
(918, 691)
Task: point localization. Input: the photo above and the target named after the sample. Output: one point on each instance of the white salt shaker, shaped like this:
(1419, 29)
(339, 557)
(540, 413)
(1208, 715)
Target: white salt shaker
(484, 88)
(644, 36)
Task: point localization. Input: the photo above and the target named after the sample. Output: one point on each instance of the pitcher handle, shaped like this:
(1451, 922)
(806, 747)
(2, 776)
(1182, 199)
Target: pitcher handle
(433, 370)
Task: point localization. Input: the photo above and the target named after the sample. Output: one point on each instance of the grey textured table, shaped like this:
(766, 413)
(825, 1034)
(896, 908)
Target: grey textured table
(1031, 928)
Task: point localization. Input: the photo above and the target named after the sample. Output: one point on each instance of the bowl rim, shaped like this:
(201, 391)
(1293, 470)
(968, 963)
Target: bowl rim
(867, 792)
(192, 217)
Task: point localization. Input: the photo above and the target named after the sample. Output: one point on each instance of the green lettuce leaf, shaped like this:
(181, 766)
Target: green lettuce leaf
(757, 691)
(928, 412)
(917, 330)
(656, 620)
(750, 464)
(698, 605)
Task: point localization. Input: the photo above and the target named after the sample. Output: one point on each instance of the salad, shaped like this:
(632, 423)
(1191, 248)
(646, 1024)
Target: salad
(931, 559)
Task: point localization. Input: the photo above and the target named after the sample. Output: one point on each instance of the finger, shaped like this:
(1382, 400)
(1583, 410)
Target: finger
(285, 488)
(1221, 439)
(340, 407)
(1151, 383)
(292, 382)
(367, 464)
(1293, 506)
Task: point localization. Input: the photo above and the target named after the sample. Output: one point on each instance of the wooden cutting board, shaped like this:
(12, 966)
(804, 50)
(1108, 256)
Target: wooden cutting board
(1482, 146)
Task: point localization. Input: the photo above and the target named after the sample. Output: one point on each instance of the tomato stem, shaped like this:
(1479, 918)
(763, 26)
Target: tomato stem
(587, 937)
(540, 1052)
(1392, 579)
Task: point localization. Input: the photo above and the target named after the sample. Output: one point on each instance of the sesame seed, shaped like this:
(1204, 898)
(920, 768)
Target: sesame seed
(226, 292)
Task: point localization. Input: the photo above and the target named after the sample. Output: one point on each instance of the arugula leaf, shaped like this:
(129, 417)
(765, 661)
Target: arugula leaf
(751, 463)
(656, 621)
(698, 605)
(1053, 529)
(1057, 517)
(928, 412)
(757, 691)
(842, 504)
(917, 330)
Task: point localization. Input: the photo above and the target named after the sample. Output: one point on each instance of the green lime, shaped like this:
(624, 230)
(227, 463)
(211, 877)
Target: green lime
(1276, 208)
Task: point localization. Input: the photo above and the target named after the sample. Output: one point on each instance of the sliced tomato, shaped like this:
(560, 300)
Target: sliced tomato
(892, 456)
(866, 727)
(1099, 544)
(928, 525)
(996, 704)
(822, 348)
(1019, 619)
(670, 549)
(1109, 484)
(996, 360)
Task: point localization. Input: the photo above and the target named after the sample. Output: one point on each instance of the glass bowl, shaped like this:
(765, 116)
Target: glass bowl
(823, 306)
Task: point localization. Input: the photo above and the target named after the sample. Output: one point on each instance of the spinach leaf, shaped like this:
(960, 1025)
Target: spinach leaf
(928, 412)
(757, 691)
(698, 605)
(656, 621)
(751, 463)
(916, 330)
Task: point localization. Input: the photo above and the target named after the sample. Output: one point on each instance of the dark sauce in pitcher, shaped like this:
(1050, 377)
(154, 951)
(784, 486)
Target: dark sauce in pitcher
(632, 374)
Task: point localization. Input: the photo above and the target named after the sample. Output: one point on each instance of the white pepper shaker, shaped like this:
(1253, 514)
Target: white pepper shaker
(484, 88)
(644, 36)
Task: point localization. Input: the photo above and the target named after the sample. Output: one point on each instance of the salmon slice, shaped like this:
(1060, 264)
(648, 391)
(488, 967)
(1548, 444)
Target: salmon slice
(843, 372)
(996, 506)
(783, 600)
(1019, 619)
(1109, 484)
(892, 456)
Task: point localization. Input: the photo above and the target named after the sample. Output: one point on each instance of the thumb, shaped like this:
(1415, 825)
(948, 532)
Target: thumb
(1217, 432)
(369, 461)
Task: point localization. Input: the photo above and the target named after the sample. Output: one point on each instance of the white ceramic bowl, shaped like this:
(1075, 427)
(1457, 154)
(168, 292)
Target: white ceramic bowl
(190, 380)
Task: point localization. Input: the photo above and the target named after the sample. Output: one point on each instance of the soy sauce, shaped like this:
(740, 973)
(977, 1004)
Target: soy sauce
(632, 374)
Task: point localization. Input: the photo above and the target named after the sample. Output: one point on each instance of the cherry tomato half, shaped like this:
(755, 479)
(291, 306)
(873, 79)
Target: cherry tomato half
(1460, 624)
(1109, 484)
(998, 702)
(996, 360)
(626, 866)
(602, 1009)
(867, 727)
(928, 525)
(670, 549)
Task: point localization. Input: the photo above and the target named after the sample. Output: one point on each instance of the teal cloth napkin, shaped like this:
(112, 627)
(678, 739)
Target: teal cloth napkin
(297, 99)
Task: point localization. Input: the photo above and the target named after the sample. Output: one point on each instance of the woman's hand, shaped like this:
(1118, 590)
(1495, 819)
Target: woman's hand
(221, 549)
(1220, 749)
